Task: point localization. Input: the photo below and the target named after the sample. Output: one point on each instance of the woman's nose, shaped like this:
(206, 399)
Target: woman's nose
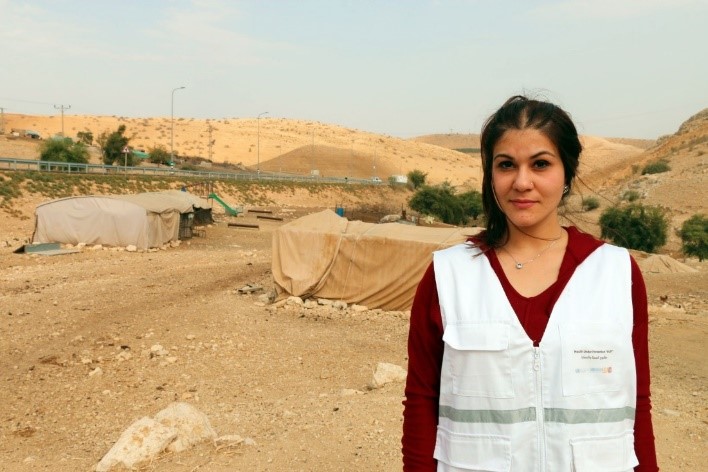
(523, 180)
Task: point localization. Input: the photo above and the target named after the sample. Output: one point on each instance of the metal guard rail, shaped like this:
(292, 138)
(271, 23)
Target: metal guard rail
(76, 168)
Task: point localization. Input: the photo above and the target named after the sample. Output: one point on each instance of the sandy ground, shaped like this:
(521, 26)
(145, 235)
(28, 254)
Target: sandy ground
(293, 380)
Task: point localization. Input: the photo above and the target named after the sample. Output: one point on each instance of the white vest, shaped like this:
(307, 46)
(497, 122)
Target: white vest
(567, 405)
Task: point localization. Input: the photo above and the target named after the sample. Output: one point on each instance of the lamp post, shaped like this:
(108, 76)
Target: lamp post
(258, 143)
(172, 125)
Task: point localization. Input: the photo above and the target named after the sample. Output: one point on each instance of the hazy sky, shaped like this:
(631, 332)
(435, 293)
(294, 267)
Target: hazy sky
(629, 68)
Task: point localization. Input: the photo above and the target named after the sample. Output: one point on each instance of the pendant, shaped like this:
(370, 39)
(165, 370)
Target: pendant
(519, 265)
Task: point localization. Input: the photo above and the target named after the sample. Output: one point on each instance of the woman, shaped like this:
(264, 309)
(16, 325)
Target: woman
(528, 345)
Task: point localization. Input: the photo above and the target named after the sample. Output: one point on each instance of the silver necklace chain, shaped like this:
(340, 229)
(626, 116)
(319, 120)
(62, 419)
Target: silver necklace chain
(520, 265)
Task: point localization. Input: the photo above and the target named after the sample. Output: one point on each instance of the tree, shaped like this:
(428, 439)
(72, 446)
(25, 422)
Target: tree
(416, 178)
(113, 144)
(439, 201)
(471, 203)
(85, 137)
(63, 150)
(634, 226)
(159, 155)
(694, 237)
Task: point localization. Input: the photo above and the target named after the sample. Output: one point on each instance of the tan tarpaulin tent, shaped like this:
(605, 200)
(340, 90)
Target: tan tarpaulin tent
(376, 265)
(142, 220)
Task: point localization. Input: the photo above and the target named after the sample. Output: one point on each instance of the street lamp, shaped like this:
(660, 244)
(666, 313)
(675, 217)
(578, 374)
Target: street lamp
(258, 146)
(172, 121)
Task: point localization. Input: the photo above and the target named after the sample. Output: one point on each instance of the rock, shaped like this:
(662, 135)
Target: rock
(310, 304)
(158, 351)
(359, 308)
(131, 248)
(95, 372)
(97, 247)
(324, 301)
(192, 426)
(387, 373)
(295, 301)
(143, 440)
(339, 305)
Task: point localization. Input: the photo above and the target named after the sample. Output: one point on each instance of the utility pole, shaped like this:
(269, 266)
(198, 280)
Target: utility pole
(2, 120)
(62, 108)
(211, 141)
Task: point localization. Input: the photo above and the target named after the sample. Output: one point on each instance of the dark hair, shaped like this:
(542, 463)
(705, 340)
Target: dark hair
(519, 113)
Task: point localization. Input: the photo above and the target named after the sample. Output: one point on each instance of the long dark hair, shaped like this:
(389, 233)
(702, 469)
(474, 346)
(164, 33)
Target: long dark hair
(519, 113)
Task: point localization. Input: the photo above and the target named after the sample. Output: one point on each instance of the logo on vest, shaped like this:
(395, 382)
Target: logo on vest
(590, 358)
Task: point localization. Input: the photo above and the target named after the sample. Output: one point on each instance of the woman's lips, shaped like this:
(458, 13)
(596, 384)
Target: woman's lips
(523, 204)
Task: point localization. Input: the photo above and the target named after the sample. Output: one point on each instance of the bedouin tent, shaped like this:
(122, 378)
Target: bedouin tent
(324, 255)
(202, 207)
(143, 220)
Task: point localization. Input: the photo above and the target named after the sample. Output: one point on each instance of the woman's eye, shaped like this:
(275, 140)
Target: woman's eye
(505, 165)
(541, 164)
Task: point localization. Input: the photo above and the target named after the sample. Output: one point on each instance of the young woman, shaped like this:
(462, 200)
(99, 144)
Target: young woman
(528, 345)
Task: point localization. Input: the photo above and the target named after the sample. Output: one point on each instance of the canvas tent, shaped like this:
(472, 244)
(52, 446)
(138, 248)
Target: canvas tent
(376, 265)
(143, 220)
(201, 206)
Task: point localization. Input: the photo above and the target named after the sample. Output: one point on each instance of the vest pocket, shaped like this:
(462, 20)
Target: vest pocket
(479, 360)
(608, 454)
(472, 453)
(595, 358)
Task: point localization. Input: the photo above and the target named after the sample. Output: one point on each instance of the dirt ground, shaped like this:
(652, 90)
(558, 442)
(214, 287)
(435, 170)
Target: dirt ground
(77, 332)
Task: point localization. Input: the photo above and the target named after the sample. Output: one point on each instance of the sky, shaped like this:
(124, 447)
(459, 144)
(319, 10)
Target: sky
(405, 68)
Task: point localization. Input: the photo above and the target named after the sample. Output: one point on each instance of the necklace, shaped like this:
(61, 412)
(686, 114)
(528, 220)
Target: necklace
(520, 265)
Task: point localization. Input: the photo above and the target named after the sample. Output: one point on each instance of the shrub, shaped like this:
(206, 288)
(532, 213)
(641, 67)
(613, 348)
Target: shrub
(471, 203)
(630, 196)
(159, 155)
(439, 201)
(694, 237)
(634, 226)
(416, 178)
(590, 203)
(63, 150)
(656, 167)
(85, 137)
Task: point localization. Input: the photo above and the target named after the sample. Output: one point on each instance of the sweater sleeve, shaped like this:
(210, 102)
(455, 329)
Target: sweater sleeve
(643, 430)
(425, 353)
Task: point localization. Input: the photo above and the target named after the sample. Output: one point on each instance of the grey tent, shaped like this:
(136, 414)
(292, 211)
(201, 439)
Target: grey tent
(143, 220)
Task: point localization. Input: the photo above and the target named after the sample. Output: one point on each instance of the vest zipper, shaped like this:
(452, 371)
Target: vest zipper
(540, 421)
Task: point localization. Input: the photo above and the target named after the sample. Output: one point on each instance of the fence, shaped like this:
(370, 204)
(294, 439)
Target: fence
(75, 168)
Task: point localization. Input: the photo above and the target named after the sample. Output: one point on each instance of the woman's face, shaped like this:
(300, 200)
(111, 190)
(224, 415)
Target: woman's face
(528, 179)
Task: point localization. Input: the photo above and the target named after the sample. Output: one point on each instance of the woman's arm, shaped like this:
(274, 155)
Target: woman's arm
(643, 429)
(425, 352)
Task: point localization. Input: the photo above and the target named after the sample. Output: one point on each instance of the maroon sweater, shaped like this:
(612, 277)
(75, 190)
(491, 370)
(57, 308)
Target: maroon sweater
(425, 353)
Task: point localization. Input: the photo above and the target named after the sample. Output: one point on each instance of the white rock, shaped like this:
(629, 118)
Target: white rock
(229, 439)
(387, 373)
(96, 371)
(339, 305)
(295, 301)
(97, 247)
(143, 440)
(310, 304)
(192, 425)
(175, 243)
(131, 248)
(359, 308)
(324, 301)
(156, 350)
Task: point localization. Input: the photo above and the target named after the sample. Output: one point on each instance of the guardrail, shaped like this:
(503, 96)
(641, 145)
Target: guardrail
(75, 168)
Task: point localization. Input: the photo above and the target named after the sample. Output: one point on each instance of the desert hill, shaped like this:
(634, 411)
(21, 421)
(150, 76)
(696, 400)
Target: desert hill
(299, 147)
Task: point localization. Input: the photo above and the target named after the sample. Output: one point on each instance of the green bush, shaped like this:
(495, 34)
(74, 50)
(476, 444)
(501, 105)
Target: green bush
(159, 155)
(416, 178)
(656, 167)
(471, 203)
(631, 196)
(63, 150)
(634, 226)
(694, 237)
(442, 202)
(590, 203)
